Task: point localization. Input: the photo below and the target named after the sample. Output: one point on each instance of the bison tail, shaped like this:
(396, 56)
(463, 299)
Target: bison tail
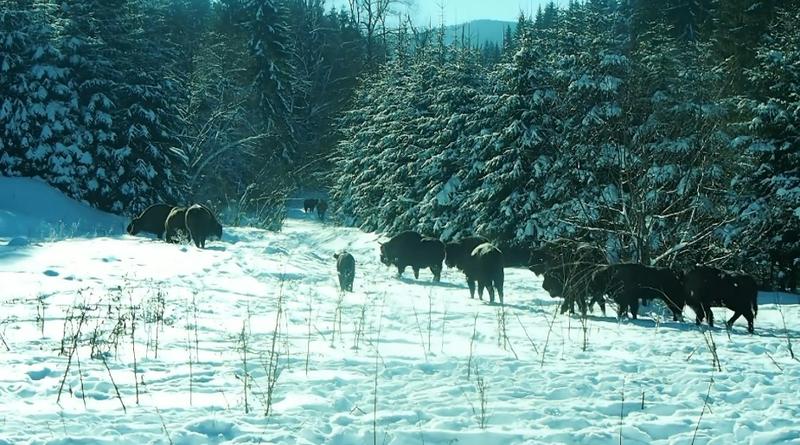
(754, 305)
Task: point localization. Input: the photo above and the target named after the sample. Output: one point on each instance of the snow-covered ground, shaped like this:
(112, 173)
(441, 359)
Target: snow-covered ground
(396, 362)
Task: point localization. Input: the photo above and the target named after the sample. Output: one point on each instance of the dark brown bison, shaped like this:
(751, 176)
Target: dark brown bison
(515, 254)
(484, 265)
(567, 273)
(411, 249)
(201, 225)
(707, 287)
(346, 266)
(151, 220)
(309, 205)
(322, 207)
(175, 225)
(456, 252)
(627, 283)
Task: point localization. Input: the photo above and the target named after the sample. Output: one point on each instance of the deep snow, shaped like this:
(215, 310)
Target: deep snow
(645, 381)
(31, 209)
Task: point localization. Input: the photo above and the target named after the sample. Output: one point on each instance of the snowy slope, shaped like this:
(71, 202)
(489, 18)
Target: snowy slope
(31, 208)
(398, 361)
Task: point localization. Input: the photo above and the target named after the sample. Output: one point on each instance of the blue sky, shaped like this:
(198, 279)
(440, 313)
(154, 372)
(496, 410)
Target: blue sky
(460, 11)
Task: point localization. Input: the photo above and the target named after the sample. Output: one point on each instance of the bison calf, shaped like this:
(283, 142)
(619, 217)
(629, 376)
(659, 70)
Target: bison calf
(411, 249)
(346, 266)
(152, 220)
(201, 225)
(707, 287)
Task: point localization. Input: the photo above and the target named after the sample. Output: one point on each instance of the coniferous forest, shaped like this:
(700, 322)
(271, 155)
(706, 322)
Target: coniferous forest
(662, 132)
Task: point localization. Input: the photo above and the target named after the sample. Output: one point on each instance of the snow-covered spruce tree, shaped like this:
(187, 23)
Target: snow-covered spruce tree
(672, 185)
(366, 176)
(38, 112)
(446, 139)
(770, 137)
(274, 78)
(511, 149)
(82, 135)
(590, 76)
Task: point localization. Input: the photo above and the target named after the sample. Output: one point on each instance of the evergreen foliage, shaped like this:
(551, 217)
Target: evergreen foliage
(615, 123)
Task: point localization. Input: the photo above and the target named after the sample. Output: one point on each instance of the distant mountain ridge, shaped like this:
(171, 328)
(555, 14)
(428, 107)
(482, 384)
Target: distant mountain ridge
(479, 31)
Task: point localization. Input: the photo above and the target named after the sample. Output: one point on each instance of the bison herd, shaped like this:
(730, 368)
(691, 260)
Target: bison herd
(195, 223)
(578, 275)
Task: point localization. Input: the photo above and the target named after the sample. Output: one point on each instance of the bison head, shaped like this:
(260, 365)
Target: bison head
(453, 253)
(538, 261)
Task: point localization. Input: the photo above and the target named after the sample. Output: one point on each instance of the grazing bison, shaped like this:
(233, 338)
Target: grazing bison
(627, 283)
(309, 205)
(151, 220)
(707, 287)
(484, 265)
(346, 266)
(411, 249)
(322, 207)
(456, 252)
(567, 273)
(201, 225)
(175, 224)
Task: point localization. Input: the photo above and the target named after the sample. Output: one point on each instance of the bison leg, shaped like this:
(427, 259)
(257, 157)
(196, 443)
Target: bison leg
(480, 289)
(471, 284)
(400, 270)
(749, 316)
(416, 272)
(499, 286)
(633, 305)
(581, 304)
(709, 315)
(600, 301)
(437, 272)
(490, 288)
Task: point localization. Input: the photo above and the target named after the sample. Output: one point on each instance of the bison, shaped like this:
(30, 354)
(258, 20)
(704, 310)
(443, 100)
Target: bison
(201, 224)
(708, 287)
(515, 255)
(309, 205)
(322, 207)
(627, 283)
(175, 224)
(484, 265)
(346, 266)
(151, 220)
(568, 274)
(411, 249)
(456, 252)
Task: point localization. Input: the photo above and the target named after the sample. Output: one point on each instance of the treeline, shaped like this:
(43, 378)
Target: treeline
(664, 132)
(122, 103)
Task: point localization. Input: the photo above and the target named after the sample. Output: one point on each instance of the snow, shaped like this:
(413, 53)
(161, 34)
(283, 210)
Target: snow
(428, 349)
(30, 208)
